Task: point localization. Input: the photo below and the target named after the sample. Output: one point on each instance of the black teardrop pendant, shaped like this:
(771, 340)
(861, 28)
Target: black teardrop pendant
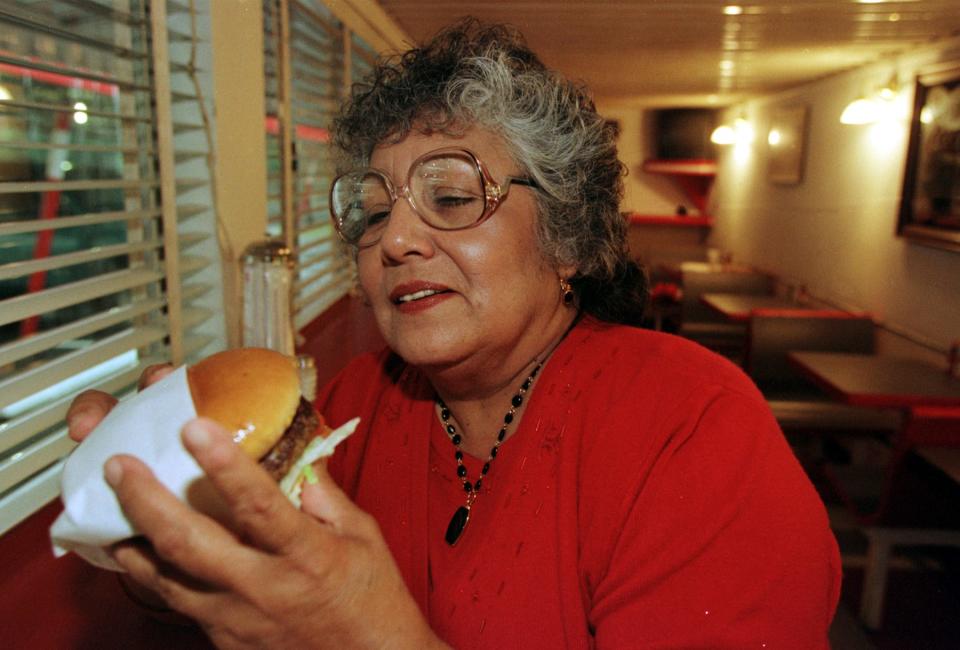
(457, 523)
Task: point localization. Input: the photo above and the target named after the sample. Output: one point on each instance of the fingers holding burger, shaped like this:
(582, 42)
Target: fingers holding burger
(254, 394)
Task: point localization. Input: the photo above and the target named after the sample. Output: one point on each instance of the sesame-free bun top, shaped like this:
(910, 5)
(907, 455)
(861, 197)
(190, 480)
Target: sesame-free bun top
(253, 392)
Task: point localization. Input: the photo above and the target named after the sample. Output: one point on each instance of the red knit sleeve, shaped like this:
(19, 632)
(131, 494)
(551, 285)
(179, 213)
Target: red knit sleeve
(723, 541)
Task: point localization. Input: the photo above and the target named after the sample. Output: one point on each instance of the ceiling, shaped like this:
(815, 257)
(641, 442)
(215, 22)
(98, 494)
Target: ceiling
(698, 52)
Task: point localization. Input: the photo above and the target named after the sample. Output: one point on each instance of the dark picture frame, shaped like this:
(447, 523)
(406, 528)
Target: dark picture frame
(930, 201)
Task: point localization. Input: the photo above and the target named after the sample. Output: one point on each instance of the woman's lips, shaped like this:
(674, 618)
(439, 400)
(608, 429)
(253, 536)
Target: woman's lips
(417, 296)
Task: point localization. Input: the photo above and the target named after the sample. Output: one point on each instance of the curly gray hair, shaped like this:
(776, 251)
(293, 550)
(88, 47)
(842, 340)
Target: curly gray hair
(476, 75)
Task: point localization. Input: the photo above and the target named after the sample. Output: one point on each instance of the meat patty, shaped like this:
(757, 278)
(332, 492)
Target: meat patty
(282, 455)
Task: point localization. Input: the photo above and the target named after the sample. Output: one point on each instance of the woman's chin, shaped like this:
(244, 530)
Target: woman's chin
(432, 347)
(425, 354)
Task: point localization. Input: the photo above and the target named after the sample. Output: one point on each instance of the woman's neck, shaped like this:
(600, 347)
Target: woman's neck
(480, 397)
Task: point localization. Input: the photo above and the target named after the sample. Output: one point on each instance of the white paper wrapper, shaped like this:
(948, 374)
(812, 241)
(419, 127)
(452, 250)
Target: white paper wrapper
(146, 426)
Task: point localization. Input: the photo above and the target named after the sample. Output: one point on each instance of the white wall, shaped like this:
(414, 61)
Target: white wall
(835, 232)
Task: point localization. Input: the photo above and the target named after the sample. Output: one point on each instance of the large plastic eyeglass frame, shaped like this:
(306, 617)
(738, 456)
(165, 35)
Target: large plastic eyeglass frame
(494, 193)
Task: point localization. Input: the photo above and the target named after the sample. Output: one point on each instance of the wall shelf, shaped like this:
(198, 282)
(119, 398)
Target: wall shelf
(694, 176)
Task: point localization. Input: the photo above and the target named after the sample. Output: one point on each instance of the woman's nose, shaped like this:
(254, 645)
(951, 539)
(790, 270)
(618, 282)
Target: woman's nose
(405, 233)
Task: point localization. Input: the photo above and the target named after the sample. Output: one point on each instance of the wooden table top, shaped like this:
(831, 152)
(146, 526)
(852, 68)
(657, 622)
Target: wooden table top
(879, 380)
(675, 270)
(737, 306)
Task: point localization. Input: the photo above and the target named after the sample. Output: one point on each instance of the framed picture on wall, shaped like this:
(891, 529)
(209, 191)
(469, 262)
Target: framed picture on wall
(785, 144)
(930, 202)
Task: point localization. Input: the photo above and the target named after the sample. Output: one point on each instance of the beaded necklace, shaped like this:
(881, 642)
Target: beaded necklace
(461, 517)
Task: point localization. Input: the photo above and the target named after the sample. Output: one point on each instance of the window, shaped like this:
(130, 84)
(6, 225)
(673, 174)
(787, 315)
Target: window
(305, 81)
(362, 58)
(105, 215)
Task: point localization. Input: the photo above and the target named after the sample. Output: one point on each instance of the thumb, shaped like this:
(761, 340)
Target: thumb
(325, 501)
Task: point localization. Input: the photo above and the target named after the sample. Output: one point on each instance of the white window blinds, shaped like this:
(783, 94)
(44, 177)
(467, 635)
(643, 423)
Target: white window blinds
(104, 189)
(305, 71)
(362, 58)
(273, 93)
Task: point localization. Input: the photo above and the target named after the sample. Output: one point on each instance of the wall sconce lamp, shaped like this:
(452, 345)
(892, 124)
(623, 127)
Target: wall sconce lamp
(723, 134)
(740, 133)
(871, 108)
(863, 110)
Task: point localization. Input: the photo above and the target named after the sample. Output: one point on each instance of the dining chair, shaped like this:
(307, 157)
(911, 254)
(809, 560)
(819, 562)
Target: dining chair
(773, 333)
(700, 323)
(798, 404)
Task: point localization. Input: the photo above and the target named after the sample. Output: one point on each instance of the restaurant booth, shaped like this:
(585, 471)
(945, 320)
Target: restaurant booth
(141, 153)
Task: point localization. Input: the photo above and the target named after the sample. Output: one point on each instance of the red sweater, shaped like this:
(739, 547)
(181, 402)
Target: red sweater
(646, 500)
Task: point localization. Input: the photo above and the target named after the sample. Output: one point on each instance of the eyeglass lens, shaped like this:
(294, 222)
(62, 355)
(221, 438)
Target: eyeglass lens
(446, 190)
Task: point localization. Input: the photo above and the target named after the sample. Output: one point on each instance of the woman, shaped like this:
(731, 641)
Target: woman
(528, 472)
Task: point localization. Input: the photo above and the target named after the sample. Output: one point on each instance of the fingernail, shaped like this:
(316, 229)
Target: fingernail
(196, 435)
(113, 472)
(310, 475)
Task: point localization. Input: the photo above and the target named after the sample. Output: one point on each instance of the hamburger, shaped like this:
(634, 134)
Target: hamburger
(255, 393)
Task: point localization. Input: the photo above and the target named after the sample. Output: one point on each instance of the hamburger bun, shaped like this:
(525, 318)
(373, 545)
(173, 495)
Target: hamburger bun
(255, 394)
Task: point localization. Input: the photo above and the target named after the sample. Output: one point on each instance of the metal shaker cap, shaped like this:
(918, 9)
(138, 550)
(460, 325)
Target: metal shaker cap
(269, 250)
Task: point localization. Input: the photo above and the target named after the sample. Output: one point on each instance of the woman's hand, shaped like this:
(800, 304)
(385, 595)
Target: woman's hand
(91, 406)
(85, 413)
(276, 577)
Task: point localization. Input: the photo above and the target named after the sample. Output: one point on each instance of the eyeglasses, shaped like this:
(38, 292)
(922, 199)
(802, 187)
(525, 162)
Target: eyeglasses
(449, 189)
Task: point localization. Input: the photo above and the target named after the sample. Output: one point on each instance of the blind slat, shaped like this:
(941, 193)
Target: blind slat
(23, 19)
(23, 428)
(305, 248)
(90, 219)
(323, 230)
(25, 463)
(338, 280)
(74, 186)
(195, 290)
(35, 493)
(193, 263)
(105, 12)
(72, 146)
(307, 262)
(20, 307)
(44, 341)
(6, 104)
(74, 73)
(195, 316)
(188, 239)
(20, 269)
(38, 378)
(187, 210)
(195, 343)
(314, 274)
(317, 19)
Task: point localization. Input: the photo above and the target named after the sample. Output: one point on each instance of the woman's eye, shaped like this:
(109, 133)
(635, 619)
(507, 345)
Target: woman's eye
(377, 216)
(453, 200)
(452, 197)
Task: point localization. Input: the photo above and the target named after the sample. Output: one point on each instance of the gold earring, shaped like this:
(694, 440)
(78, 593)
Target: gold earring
(566, 292)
